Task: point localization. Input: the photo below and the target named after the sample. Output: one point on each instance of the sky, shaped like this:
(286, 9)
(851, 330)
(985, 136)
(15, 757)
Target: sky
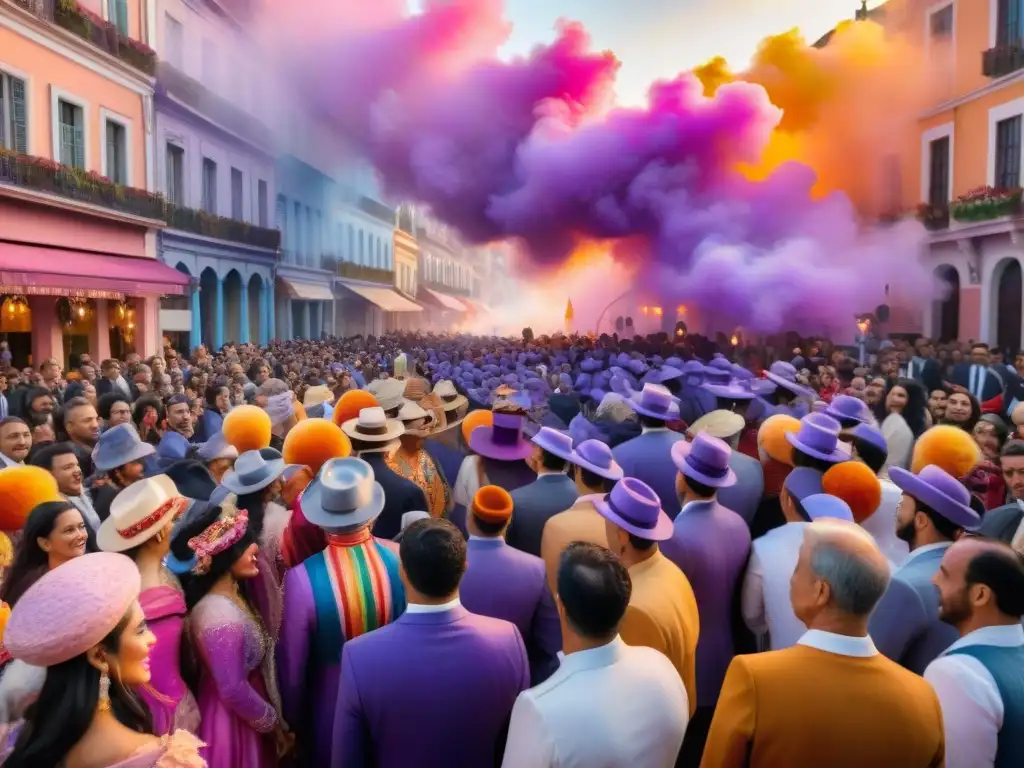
(659, 38)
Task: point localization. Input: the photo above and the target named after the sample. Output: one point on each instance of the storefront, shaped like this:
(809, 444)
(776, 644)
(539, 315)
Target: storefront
(304, 299)
(365, 309)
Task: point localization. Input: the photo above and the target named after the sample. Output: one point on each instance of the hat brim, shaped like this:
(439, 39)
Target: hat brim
(138, 453)
(109, 540)
(395, 431)
(671, 414)
(662, 530)
(828, 411)
(554, 450)
(312, 508)
(728, 392)
(951, 509)
(837, 455)
(481, 442)
(613, 472)
(275, 469)
(455, 404)
(681, 449)
(797, 389)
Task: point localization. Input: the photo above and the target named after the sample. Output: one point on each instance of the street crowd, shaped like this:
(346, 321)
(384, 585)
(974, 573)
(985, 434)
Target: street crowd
(446, 550)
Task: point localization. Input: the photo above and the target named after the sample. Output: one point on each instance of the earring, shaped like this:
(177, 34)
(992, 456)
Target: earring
(104, 704)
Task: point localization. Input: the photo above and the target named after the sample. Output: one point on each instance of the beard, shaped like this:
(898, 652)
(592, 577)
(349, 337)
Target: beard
(905, 531)
(956, 609)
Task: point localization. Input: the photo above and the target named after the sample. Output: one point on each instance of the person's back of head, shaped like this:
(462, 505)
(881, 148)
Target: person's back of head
(981, 583)
(593, 591)
(433, 557)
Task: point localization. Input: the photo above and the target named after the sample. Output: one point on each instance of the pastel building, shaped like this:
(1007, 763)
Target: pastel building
(216, 167)
(79, 217)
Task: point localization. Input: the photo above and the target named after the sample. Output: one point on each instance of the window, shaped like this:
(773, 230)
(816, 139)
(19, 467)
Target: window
(351, 250)
(1007, 174)
(175, 174)
(262, 214)
(209, 199)
(174, 39)
(237, 195)
(318, 236)
(942, 22)
(1009, 27)
(72, 134)
(117, 152)
(210, 64)
(297, 226)
(117, 14)
(362, 250)
(938, 172)
(13, 114)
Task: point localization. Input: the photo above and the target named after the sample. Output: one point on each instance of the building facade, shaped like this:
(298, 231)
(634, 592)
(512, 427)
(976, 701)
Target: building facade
(79, 217)
(216, 168)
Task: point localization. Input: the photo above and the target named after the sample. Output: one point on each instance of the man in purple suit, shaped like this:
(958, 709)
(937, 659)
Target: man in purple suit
(710, 544)
(505, 583)
(436, 687)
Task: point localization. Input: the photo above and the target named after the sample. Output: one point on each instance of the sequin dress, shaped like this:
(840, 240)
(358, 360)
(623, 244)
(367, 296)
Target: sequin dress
(236, 687)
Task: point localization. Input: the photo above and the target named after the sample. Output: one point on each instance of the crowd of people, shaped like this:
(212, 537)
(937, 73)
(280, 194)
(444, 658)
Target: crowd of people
(448, 550)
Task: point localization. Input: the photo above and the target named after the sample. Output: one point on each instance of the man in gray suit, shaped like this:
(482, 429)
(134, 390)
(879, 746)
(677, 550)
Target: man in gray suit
(744, 496)
(552, 492)
(934, 511)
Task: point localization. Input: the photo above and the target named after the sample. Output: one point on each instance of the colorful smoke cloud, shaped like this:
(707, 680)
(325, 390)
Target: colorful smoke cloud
(726, 192)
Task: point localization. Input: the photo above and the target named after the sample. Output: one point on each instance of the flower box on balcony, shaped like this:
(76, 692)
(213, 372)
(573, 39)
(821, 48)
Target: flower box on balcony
(350, 271)
(100, 32)
(222, 228)
(933, 216)
(986, 203)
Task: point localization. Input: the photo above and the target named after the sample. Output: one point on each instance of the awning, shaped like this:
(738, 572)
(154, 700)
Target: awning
(446, 301)
(478, 306)
(307, 291)
(385, 298)
(35, 270)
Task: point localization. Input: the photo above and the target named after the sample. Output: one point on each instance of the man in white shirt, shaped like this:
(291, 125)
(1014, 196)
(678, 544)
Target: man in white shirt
(980, 678)
(609, 704)
(15, 442)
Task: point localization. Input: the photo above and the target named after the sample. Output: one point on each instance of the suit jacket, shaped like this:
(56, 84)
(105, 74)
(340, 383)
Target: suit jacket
(534, 505)
(432, 690)
(662, 614)
(808, 707)
(400, 496)
(710, 544)
(926, 371)
(694, 402)
(505, 583)
(105, 386)
(744, 497)
(1002, 523)
(992, 387)
(648, 457)
(905, 625)
(581, 522)
(632, 692)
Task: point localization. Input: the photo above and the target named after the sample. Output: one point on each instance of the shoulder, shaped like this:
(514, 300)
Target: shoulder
(181, 750)
(491, 630)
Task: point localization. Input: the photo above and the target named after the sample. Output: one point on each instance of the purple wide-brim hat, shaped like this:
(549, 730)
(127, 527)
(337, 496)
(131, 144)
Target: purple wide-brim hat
(715, 474)
(504, 441)
(655, 402)
(939, 490)
(595, 456)
(819, 438)
(635, 508)
(790, 384)
(849, 407)
(734, 390)
(554, 441)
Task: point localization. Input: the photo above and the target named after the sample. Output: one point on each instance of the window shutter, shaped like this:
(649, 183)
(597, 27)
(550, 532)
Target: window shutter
(19, 116)
(121, 16)
(79, 159)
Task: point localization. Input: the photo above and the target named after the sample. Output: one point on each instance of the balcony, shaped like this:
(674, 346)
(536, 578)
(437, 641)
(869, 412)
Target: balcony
(1002, 60)
(209, 225)
(377, 210)
(350, 271)
(175, 83)
(934, 217)
(69, 15)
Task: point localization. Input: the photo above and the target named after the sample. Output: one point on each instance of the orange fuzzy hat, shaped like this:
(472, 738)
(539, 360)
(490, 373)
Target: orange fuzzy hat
(22, 489)
(856, 484)
(313, 441)
(947, 447)
(296, 484)
(771, 437)
(351, 403)
(476, 419)
(247, 427)
(300, 412)
(492, 504)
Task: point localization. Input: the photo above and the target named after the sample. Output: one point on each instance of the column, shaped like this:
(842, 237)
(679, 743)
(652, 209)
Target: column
(289, 319)
(271, 313)
(306, 325)
(264, 314)
(47, 335)
(197, 317)
(218, 315)
(148, 339)
(243, 333)
(334, 317)
(99, 335)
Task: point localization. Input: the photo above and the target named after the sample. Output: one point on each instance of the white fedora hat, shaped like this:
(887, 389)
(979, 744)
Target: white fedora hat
(721, 424)
(345, 493)
(373, 426)
(140, 512)
(452, 400)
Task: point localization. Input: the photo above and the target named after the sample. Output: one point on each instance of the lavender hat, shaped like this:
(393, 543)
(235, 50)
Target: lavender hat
(705, 460)
(784, 374)
(594, 456)
(735, 389)
(504, 440)
(635, 508)
(554, 441)
(819, 438)
(656, 402)
(939, 490)
(844, 407)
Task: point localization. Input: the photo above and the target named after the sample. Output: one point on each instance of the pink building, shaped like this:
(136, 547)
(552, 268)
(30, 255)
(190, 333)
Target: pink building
(78, 219)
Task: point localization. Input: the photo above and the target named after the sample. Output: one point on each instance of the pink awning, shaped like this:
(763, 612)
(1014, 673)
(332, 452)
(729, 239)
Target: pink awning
(32, 270)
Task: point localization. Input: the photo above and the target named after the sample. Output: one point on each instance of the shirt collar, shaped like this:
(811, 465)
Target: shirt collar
(549, 473)
(943, 545)
(418, 608)
(1004, 636)
(592, 658)
(843, 645)
(588, 499)
(645, 430)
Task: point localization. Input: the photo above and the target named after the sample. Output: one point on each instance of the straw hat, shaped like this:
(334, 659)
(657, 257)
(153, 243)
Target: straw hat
(721, 424)
(140, 512)
(316, 396)
(373, 426)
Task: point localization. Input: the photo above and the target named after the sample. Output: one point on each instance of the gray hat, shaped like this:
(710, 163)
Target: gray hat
(345, 493)
(254, 471)
(118, 446)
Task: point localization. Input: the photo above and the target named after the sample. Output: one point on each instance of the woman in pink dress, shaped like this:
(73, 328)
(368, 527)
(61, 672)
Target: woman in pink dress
(82, 622)
(237, 690)
(139, 526)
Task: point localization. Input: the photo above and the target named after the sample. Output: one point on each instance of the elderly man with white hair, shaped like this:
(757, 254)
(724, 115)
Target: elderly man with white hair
(831, 699)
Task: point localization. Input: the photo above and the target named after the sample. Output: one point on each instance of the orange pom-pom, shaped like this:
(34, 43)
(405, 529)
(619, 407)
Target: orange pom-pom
(351, 403)
(313, 441)
(247, 427)
(947, 447)
(22, 489)
(300, 412)
(476, 419)
(771, 437)
(856, 484)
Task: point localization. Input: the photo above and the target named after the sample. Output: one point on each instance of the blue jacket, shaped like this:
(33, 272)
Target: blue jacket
(534, 505)
(648, 457)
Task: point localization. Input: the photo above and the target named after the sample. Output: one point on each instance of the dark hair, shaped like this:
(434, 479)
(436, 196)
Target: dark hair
(139, 410)
(106, 403)
(551, 462)
(915, 409)
(61, 715)
(594, 480)
(196, 587)
(255, 505)
(212, 393)
(641, 545)
(945, 528)
(487, 527)
(75, 402)
(33, 394)
(36, 449)
(1012, 447)
(700, 489)
(13, 420)
(44, 458)
(979, 345)
(1000, 569)
(801, 459)
(998, 426)
(178, 400)
(30, 562)
(650, 422)
(870, 454)
(967, 426)
(849, 423)
(433, 554)
(594, 588)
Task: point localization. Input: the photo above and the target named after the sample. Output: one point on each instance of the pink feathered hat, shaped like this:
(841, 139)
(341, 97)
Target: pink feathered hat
(72, 608)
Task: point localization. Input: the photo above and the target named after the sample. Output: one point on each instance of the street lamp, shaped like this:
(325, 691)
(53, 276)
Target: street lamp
(863, 328)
